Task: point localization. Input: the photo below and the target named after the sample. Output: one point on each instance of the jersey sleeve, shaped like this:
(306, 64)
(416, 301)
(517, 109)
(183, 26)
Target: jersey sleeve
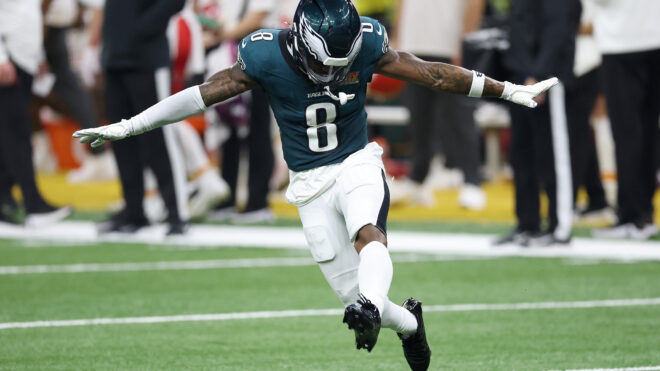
(254, 52)
(375, 42)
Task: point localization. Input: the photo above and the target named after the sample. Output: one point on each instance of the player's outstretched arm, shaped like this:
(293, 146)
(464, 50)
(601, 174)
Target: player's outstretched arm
(226, 84)
(453, 79)
(192, 101)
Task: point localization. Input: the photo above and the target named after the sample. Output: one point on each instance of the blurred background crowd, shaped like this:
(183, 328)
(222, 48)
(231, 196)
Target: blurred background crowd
(590, 150)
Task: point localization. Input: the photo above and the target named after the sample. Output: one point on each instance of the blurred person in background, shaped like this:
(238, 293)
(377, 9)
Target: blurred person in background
(628, 35)
(21, 40)
(60, 16)
(581, 99)
(433, 30)
(137, 62)
(542, 36)
(206, 187)
(238, 19)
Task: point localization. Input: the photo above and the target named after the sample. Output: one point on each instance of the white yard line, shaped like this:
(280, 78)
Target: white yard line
(158, 266)
(194, 265)
(454, 244)
(544, 305)
(329, 312)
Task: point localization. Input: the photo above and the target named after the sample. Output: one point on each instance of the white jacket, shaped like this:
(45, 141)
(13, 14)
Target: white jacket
(627, 26)
(21, 35)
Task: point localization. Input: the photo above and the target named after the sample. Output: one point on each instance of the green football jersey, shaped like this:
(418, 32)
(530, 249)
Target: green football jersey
(316, 130)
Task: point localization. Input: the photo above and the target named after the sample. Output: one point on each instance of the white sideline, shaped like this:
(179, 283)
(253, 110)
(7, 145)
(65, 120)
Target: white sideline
(329, 312)
(455, 244)
(192, 265)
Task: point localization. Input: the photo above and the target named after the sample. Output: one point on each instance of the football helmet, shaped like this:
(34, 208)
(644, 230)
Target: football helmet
(326, 38)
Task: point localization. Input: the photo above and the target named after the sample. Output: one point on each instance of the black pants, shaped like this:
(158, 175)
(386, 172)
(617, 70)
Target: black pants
(260, 150)
(580, 100)
(76, 101)
(536, 168)
(437, 116)
(129, 92)
(15, 146)
(633, 101)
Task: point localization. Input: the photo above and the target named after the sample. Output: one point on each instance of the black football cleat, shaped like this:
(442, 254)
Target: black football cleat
(364, 319)
(415, 347)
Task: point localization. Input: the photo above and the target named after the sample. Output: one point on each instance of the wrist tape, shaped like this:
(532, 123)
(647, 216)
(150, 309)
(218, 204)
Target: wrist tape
(478, 83)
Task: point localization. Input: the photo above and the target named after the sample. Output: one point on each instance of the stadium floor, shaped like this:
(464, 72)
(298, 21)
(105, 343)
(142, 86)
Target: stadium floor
(258, 305)
(270, 309)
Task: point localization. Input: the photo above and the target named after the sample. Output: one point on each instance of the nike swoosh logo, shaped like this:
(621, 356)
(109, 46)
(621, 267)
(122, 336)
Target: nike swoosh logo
(244, 43)
(380, 30)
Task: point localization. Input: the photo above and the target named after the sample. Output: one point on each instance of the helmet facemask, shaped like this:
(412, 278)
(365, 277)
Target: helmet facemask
(314, 58)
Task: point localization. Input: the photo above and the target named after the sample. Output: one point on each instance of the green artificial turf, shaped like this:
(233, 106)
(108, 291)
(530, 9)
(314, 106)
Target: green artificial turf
(539, 339)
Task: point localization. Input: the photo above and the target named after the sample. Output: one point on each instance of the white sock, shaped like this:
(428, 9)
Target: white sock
(398, 318)
(375, 273)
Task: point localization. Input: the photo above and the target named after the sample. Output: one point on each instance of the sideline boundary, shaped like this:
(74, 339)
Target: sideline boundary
(458, 244)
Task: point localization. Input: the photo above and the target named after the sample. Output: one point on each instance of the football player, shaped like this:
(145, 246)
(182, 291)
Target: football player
(316, 76)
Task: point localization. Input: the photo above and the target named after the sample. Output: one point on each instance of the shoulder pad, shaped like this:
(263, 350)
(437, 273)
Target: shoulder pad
(255, 49)
(375, 42)
(375, 33)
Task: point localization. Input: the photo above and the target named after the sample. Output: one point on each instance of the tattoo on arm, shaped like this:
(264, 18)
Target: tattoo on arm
(438, 76)
(444, 77)
(225, 84)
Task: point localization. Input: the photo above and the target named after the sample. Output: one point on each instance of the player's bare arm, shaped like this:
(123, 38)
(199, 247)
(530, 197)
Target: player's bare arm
(457, 80)
(189, 102)
(225, 84)
(440, 76)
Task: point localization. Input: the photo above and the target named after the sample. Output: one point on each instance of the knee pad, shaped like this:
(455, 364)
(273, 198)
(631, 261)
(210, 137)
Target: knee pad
(320, 243)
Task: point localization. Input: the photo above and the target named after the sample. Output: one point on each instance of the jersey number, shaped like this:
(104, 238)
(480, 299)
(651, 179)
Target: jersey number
(322, 137)
(261, 36)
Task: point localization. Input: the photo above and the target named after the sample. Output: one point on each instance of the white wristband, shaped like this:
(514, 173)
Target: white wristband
(478, 83)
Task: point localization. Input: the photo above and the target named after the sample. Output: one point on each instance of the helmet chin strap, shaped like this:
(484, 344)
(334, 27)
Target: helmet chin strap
(343, 98)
